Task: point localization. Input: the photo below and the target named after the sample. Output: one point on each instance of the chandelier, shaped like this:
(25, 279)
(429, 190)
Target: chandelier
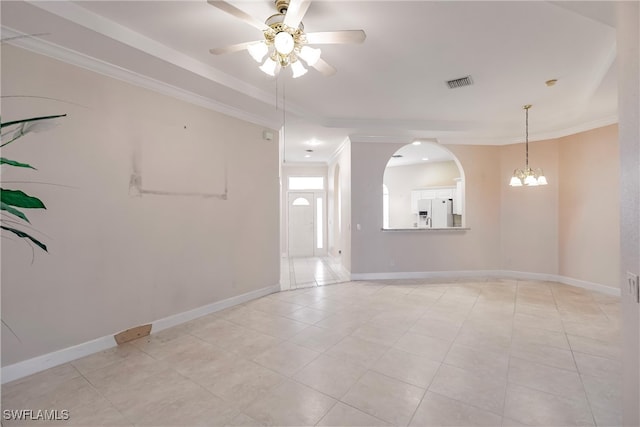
(283, 46)
(528, 176)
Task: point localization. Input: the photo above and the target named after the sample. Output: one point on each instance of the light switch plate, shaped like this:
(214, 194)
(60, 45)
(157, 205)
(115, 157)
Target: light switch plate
(633, 286)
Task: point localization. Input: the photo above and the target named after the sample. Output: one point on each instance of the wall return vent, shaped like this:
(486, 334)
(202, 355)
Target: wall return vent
(463, 81)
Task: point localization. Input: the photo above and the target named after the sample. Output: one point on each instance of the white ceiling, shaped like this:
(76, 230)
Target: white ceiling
(391, 88)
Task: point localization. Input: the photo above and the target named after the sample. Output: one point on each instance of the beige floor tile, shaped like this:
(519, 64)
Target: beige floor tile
(598, 366)
(344, 415)
(428, 291)
(330, 376)
(95, 414)
(199, 360)
(545, 355)
(241, 381)
(273, 306)
(538, 320)
(601, 331)
(290, 404)
(142, 401)
(119, 376)
(507, 422)
(248, 318)
(331, 305)
(495, 364)
(538, 301)
(607, 349)
(400, 320)
(201, 372)
(378, 334)
(545, 378)
(104, 358)
(243, 420)
(536, 408)
(422, 345)
(286, 358)
(280, 327)
(605, 397)
(436, 410)
(308, 315)
(484, 340)
(527, 335)
(357, 350)
(421, 301)
(240, 340)
(502, 327)
(481, 390)
(300, 297)
(195, 407)
(386, 398)
(318, 339)
(438, 328)
(407, 367)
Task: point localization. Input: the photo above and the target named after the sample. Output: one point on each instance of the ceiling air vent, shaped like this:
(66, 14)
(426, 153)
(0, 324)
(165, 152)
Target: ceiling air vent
(463, 81)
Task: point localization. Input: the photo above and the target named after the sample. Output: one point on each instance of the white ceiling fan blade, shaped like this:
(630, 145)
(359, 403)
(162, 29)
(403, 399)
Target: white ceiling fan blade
(336, 37)
(241, 15)
(232, 48)
(295, 12)
(324, 68)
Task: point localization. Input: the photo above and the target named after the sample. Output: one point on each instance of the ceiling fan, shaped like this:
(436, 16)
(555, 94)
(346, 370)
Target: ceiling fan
(285, 42)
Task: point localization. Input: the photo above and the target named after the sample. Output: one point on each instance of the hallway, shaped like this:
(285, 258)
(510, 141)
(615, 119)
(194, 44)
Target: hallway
(296, 273)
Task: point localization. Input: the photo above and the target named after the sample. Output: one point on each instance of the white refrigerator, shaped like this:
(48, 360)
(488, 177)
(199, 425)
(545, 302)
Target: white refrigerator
(441, 213)
(435, 213)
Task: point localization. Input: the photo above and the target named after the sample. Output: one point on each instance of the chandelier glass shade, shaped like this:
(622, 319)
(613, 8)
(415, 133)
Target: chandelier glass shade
(283, 46)
(527, 176)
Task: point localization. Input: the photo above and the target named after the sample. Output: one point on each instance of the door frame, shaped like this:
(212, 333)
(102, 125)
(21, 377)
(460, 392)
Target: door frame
(316, 194)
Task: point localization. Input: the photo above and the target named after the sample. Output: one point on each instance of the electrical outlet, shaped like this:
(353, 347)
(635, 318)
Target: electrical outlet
(633, 286)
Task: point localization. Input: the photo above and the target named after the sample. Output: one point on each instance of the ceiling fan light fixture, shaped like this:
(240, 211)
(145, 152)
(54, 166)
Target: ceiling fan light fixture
(284, 43)
(310, 55)
(258, 50)
(298, 69)
(270, 67)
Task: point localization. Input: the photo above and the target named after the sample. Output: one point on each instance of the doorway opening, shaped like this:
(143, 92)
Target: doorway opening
(305, 262)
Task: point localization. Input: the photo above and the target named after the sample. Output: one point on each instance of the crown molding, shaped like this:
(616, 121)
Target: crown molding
(77, 59)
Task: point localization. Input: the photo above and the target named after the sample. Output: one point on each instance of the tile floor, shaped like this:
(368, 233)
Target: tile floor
(479, 352)
(297, 273)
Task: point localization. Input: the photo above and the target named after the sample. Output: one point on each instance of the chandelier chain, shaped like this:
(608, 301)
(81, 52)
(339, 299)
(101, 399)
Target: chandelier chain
(526, 140)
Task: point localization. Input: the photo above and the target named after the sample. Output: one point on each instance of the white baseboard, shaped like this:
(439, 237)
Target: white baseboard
(46, 361)
(503, 274)
(425, 275)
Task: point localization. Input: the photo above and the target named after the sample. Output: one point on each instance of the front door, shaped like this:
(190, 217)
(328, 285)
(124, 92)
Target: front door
(301, 224)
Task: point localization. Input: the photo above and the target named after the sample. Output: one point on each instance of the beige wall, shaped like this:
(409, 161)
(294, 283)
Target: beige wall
(564, 228)
(589, 206)
(628, 65)
(401, 180)
(529, 215)
(377, 251)
(115, 260)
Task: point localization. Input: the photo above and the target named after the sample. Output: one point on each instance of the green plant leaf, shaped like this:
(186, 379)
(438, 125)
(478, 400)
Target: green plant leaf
(24, 235)
(33, 119)
(19, 199)
(12, 210)
(4, 161)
